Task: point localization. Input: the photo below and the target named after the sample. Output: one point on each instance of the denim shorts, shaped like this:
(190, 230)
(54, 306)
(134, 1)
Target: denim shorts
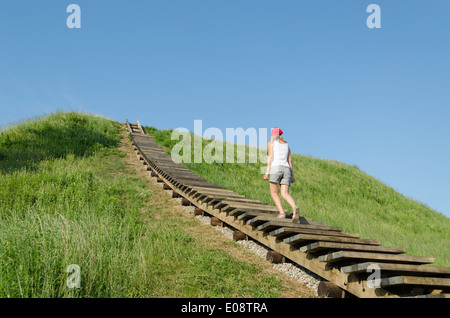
(280, 174)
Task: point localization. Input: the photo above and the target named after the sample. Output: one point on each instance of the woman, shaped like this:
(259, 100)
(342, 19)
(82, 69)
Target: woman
(279, 164)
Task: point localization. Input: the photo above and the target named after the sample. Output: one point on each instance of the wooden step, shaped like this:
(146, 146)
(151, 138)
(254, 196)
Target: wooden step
(430, 296)
(267, 223)
(351, 255)
(283, 232)
(230, 204)
(298, 238)
(222, 200)
(323, 246)
(251, 214)
(414, 280)
(392, 267)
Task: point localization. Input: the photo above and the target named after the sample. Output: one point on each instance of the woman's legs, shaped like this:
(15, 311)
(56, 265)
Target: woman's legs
(286, 196)
(289, 199)
(276, 199)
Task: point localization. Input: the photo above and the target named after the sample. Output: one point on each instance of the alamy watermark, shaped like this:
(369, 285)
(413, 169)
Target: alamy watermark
(74, 279)
(218, 150)
(374, 279)
(73, 21)
(373, 21)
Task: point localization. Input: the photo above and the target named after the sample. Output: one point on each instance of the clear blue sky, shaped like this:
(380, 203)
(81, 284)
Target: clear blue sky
(375, 98)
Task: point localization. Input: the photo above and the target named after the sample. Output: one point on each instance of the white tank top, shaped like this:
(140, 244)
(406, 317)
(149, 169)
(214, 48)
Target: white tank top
(280, 154)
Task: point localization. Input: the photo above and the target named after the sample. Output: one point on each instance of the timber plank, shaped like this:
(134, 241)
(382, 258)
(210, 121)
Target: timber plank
(237, 212)
(346, 255)
(188, 180)
(252, 213)
(287, 222)
(219, 195)
(414, 280)
(214, 190)
(211, 187)
(328, 238)
(270, 213)
(320, 246)
(431, 296)
(239, 199)
(273, 225)
(257, 207)
(287, 231)
(228, 204)
(393, 267)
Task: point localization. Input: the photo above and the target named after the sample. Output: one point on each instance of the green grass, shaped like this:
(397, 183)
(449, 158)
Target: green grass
(66, 197)
(340, 195)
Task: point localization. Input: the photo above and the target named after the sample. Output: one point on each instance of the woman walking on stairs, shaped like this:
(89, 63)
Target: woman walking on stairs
(279, 166)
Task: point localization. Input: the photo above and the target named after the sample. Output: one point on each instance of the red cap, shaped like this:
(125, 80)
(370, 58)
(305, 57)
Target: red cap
(276, 132)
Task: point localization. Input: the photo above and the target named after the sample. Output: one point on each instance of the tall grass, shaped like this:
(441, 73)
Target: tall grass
(340, 195)
(66, 197)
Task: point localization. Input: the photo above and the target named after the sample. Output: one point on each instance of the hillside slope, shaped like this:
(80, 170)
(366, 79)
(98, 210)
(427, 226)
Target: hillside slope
(68, 196)
(339, 195)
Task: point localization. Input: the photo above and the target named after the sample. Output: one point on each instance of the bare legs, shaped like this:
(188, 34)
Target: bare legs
(274, 187)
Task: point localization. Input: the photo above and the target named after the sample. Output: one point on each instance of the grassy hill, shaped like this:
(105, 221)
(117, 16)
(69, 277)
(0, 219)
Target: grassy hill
(67, 197)
(340, 195)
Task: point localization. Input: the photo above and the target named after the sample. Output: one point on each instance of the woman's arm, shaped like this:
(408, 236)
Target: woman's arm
(290, 164)
(269, 161)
